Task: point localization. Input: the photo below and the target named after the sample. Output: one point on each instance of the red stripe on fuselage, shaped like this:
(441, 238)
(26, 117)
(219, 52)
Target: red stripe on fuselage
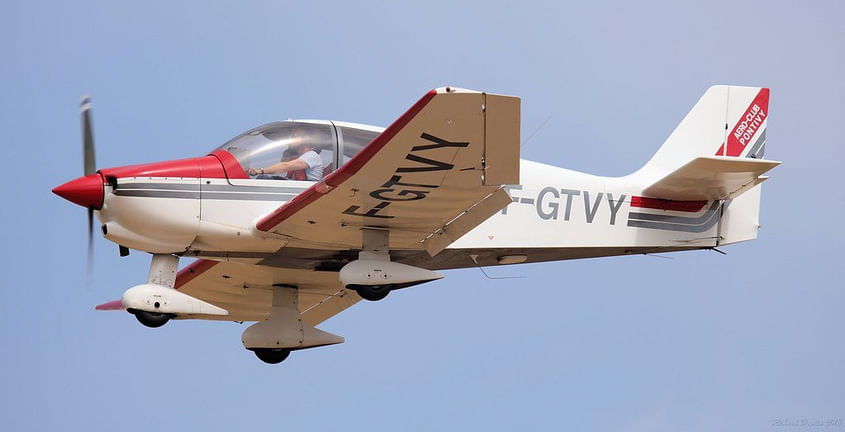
(219, 164)
(346, 171)
(205, 166)
(662, 204)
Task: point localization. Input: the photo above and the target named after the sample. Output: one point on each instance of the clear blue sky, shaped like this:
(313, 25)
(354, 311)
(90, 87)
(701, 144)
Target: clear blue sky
(699, 342)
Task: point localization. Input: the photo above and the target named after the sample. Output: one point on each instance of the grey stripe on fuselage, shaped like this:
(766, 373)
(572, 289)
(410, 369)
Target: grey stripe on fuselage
(264, 189)
(247, 196)
(676, 223)
(676, 219)
(160, 186)
(216, 192)
(674, 227)
(236, 196)
(158, 193)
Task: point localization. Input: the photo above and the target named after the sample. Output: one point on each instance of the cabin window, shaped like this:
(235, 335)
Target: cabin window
(354, 140)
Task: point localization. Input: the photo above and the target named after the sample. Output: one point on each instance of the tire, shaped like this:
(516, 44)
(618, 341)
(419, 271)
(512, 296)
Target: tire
(271, 355)
(373, 292)
(151, 319)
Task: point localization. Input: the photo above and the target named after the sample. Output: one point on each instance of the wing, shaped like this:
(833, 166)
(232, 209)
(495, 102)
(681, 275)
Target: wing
(429, 178)
(246, 290)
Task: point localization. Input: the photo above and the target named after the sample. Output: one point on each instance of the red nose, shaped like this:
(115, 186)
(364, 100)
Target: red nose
(86, 191)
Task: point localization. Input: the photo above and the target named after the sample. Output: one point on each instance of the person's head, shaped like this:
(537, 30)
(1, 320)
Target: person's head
(290, 154)
(305, 147)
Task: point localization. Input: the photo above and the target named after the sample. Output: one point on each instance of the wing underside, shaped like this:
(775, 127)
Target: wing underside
(246, 290)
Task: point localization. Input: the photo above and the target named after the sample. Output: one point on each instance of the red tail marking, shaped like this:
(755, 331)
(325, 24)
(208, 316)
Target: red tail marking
(747, 125)
(662, 204)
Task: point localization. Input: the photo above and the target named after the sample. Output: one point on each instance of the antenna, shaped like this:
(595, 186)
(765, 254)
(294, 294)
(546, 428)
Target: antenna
(474, 258)
(536, 130)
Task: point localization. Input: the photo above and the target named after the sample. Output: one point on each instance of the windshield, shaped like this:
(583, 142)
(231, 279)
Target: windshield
(267, 145)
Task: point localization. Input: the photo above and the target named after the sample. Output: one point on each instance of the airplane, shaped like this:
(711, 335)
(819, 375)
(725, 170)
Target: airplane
(292, 222)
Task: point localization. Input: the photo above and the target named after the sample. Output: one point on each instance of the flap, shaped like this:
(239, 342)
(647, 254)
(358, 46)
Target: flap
(501, 131)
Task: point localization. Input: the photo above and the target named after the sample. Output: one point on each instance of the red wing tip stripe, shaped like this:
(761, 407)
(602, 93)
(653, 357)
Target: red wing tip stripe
(193, 270)
(346, 171)
(112, 305)
(662, 204)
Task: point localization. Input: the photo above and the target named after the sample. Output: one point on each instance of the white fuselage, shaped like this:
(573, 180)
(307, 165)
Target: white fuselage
(552, 208)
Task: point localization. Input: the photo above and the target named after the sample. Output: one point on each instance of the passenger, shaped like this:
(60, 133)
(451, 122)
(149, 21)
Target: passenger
(309, 161)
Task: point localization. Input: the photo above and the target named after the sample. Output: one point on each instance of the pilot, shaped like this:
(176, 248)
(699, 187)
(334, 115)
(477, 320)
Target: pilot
(309, 161)
(289, 155)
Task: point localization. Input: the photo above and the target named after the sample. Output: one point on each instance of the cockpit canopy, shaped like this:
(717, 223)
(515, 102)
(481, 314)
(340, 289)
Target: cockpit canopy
(335, 142)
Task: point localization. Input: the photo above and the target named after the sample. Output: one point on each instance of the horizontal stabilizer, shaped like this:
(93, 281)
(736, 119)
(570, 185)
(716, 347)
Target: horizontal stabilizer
(711, 178)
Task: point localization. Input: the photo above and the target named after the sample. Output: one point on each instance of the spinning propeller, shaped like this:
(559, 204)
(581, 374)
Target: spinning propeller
(87, 190)
(89, 167)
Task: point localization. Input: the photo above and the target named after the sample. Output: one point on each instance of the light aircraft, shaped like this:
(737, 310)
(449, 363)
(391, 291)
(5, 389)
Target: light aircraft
(294, 221)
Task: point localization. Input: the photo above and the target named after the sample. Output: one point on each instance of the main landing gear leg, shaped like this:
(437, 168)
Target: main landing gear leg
(375, 243)
(272, 340)
(373, 275)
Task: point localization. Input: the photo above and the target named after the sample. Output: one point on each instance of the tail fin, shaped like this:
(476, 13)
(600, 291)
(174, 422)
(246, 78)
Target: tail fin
(726, 121)
(714, 155)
